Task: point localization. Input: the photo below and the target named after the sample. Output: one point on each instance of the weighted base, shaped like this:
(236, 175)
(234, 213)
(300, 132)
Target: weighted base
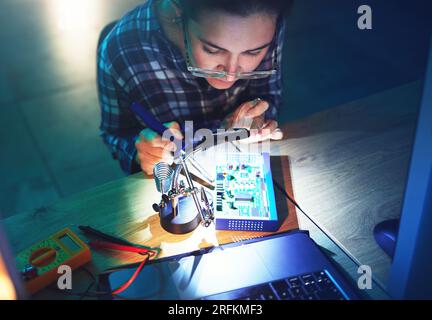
(181, 219)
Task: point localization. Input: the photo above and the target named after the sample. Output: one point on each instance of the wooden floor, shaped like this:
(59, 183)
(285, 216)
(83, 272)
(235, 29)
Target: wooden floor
(49, 110)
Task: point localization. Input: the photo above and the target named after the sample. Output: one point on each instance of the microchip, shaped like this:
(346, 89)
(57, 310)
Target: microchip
(243, 197)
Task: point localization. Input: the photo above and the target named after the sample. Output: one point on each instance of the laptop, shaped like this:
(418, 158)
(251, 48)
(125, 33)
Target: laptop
(285, 266)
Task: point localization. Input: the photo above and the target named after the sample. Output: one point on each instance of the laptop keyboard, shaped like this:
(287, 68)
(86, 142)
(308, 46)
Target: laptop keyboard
(310, 286)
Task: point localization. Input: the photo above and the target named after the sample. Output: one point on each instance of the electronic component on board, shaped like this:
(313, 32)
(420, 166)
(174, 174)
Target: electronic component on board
(244, 193)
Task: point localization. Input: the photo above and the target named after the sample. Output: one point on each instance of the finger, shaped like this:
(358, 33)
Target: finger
(258, 123)
(258, 110)
(277, 134)
(168, 147)
(267, 129)
(153, 158)
(156, 140)
(175, 129)
(272, 124)
(147, 134)
(264, 130)
(238, 118)
(243, 122)
(244, 109)
(154, 154)
(149, 138)
(159, 142)
(148, 159)
(173, 125)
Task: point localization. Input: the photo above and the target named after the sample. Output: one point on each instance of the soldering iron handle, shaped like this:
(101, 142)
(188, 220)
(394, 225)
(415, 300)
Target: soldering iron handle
(148, 118)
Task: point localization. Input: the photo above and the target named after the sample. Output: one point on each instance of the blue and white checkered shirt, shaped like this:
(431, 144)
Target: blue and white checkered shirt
(136, 62)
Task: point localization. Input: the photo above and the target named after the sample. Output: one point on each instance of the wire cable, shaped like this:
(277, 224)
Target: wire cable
(124, 286)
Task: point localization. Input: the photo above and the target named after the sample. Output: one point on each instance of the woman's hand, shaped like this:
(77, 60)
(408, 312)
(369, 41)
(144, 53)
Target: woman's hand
(152, 148)
(250, 115)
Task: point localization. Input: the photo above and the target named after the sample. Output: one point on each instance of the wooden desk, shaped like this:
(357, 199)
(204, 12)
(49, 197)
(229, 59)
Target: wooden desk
(124, 208)
(346, 169)
(349, 165)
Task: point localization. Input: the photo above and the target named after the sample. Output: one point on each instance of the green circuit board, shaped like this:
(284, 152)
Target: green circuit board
(241, 190)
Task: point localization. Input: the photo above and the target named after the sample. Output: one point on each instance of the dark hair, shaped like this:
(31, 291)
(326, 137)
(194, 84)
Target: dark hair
(193, 8)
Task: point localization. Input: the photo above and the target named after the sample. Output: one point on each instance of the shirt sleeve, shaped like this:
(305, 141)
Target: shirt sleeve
(119, 127)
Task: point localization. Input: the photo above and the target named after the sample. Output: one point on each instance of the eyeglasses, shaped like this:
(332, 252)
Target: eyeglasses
(207, 73)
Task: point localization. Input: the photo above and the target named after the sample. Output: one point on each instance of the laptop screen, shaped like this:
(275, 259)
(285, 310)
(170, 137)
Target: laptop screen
(7, 291)
(10, 286)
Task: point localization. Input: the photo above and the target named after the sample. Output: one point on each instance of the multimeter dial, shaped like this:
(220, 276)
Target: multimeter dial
(42, 257)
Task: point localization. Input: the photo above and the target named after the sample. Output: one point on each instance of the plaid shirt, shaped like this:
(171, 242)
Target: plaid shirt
(136, 62)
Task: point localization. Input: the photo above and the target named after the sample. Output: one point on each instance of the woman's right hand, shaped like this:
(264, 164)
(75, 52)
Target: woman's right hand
(152, 148)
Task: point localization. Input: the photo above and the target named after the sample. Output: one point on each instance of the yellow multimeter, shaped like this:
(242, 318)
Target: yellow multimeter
(39, 263)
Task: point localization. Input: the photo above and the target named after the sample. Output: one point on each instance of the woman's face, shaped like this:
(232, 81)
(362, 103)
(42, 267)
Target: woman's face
(224, 42)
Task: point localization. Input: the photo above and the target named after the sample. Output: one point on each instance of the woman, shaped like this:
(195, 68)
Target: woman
(201, 60)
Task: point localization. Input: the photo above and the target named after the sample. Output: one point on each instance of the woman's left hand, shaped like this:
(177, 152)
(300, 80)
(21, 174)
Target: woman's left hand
(250, 115)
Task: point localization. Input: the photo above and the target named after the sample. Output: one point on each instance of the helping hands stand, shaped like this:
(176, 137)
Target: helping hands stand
(176, 209)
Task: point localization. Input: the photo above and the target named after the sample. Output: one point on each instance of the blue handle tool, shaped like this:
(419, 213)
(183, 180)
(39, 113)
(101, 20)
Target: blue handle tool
(148, 118)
